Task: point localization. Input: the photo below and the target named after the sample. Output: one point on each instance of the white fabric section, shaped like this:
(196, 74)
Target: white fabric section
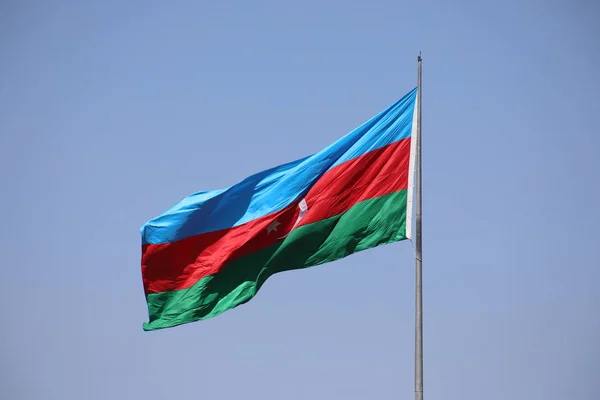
(411, 173)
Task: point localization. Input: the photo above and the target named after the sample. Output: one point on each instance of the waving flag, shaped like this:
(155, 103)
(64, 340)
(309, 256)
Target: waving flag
(214, 250)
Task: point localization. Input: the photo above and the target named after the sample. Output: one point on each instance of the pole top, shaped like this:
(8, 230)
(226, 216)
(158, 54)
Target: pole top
(419, 59)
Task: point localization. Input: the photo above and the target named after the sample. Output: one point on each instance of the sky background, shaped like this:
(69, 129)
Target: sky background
(112, 111)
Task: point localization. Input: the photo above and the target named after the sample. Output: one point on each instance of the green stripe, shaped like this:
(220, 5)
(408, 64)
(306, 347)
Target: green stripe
(367, 224)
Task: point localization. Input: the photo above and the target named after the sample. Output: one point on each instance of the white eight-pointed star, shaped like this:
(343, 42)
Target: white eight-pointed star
(273, 226)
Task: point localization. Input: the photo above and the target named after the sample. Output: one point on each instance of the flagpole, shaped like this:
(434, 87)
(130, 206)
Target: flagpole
(418, 252)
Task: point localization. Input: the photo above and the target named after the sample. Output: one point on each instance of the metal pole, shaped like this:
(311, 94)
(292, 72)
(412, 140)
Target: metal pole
(418, 254)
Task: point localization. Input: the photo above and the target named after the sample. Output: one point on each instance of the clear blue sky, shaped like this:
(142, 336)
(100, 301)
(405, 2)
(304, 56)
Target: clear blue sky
(111, 111)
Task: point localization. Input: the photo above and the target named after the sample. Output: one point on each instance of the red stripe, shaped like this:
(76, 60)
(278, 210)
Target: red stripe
(178, 265)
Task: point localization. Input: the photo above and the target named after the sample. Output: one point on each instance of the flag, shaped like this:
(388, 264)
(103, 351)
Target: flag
(214, 250)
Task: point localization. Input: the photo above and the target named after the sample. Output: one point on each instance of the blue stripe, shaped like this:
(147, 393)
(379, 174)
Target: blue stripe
(273, 189)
